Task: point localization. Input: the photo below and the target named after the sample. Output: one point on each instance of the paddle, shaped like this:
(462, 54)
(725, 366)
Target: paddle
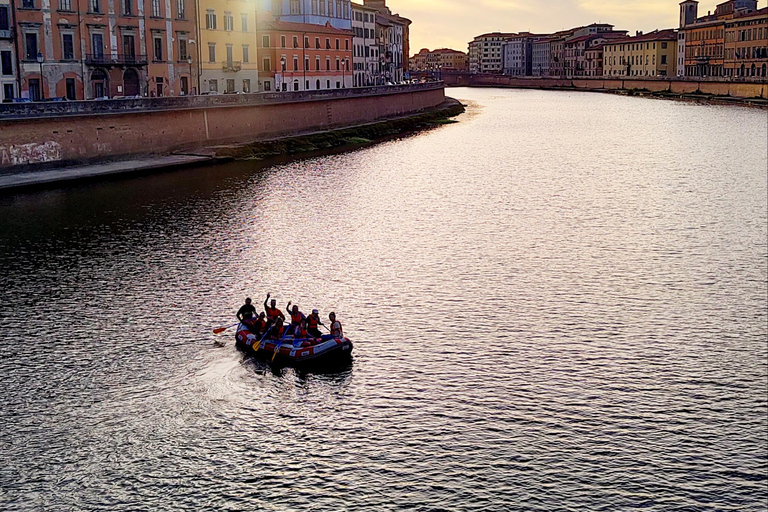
(279, 344)
(222, 329)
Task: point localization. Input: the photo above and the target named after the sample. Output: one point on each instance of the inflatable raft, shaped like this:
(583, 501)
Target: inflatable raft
(312, 352)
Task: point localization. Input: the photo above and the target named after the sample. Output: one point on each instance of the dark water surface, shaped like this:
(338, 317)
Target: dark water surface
(559, 303)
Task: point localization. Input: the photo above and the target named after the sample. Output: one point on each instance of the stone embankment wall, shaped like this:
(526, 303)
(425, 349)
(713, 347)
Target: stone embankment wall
(34, 134)
(744, 90)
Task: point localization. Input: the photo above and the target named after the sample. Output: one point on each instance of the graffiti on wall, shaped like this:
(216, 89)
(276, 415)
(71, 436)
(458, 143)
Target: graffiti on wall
(32, 153)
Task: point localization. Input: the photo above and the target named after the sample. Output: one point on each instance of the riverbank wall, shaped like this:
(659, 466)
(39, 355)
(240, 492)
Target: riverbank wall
(671, 87)
(36, 136)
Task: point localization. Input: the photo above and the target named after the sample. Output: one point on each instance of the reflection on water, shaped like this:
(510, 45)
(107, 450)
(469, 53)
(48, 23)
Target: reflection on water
(558, 303)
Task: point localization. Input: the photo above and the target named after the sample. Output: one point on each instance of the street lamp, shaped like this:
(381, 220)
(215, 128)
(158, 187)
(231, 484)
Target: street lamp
(189, 61)
(283, 62)
(40, 60)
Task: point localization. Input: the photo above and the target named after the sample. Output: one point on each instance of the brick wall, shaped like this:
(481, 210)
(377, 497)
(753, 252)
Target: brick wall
(92, 131)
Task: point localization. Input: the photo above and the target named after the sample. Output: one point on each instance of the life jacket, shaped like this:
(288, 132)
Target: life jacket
(278, 330)
(301, 333)
(272, 313)
(296, 318)
(313, 321)
(336, 329)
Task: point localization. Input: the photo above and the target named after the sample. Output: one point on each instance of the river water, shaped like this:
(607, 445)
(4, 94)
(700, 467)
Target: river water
(558, 303)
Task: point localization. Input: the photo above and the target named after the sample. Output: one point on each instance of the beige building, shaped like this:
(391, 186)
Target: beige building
(645, 55)
(443, 59)
(485, 53)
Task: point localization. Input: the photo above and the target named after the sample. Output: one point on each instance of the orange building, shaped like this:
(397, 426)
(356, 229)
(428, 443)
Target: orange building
(303, 57)
(82, 50)
(746, 45)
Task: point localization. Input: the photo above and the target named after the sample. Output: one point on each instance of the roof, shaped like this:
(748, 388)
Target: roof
(657, 35)
(303, 28)
(363, 7)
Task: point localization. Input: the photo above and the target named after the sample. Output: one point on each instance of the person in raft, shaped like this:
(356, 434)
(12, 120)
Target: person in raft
(246, 315)
(272, 312)
(259, 324)
(296, 316)
(313, 321)
(276, 331)
(336, 330)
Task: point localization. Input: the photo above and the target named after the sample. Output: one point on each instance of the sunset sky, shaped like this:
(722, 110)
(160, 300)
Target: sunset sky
(453, 23)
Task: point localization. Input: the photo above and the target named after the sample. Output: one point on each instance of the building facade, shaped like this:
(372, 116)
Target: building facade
(443, 59)
(746, 45)
(705, 36)
(365, 48)
(96, 49)
(227, 46)
(645, 55)
(517, 55)
(8, 79)
(337, 13)
(485, 52)
(393, 34)
(304, 57)
(593, 65)
(541, 56)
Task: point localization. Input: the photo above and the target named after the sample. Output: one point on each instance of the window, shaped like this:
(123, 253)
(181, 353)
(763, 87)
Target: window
(211, 52)
(97, 45)
(230, 86)
(65, 5)
(183, 51)
(267, 86)
(70, 89)
(158, 46)
(246, 53)
(6, 63)
(317, 43)
(337, 44)
(267, 64)
(34, 89)
(295, 42)
(247, 85)
(156, 9)
(28, 4)
(159, 82)
(295, 7)
(306, 63)
(317, 64)
(295, 63)
(230, 56)
(181, 9)
(213, 86)
(67, 47)
(127, 7)
(244, 22)
(327, 43)
(30, 46)
(663, 59)
(229, 22)
(210, 20)
(265, 41)
(95, 6)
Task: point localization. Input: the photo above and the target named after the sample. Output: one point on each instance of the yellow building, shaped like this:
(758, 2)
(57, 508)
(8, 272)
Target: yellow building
(227, 46)
(647, 55)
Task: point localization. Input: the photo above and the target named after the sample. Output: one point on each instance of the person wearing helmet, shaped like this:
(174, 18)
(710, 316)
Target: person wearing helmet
(313, 321)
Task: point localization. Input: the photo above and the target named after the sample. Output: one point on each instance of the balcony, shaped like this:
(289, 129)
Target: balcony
(231, 66)
(119, 60)
(6, 34)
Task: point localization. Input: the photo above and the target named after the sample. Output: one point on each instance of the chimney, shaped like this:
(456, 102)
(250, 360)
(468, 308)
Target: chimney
(638, 33)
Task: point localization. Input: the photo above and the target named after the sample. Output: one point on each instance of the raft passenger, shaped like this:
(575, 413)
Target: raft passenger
(296, 316)
(313, 321)
(336, 329)
(272, 312)
(246, 311)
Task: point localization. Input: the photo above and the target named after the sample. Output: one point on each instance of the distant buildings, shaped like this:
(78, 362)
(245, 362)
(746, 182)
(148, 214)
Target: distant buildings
(443, 59)
(731, 43)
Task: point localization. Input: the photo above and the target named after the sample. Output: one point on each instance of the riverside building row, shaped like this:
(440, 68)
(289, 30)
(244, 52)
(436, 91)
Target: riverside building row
(732, 42)
(92, 49)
